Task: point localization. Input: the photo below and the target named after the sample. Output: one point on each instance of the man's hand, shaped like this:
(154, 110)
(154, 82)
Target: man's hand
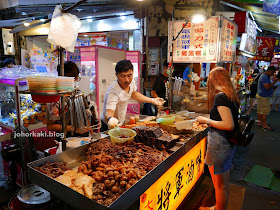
(113, 122)
(158, 101)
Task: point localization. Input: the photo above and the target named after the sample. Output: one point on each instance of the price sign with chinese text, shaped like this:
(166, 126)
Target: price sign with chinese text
(174, 185)
(228, 41)
(197, 42)
(265, 50)
(74, 56)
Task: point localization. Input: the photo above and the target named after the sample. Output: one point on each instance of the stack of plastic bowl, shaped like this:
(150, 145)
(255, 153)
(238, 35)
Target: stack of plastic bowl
(65, 83)
(43, 84)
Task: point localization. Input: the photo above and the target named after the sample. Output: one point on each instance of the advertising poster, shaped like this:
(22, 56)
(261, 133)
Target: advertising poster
(197, 42)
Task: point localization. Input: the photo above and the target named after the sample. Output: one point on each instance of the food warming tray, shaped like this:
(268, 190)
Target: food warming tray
(74, 157)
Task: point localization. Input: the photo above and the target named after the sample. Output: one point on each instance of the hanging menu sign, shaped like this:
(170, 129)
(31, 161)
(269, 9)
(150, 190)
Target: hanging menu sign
(197, 42)
(228, 41)
(265, 50)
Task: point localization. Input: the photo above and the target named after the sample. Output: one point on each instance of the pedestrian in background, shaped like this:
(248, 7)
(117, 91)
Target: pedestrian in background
(223, 103)
(9, 63)
(265, 91)
(254, 87)
(275, 99)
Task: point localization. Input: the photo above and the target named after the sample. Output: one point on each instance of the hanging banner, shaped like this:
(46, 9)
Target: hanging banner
(197, 42)
(265, 50)
(272, 6)
(228, 43)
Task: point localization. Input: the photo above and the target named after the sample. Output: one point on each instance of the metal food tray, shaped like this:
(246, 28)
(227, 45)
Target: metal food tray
(74, 157)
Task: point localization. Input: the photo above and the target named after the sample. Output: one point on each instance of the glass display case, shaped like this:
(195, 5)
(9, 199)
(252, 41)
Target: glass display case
(15, 106)
(8, 100)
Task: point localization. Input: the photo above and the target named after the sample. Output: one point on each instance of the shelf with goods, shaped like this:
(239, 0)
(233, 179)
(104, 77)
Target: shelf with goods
(18, 107)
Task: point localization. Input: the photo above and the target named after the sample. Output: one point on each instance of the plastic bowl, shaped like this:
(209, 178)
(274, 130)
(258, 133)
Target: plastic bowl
(113, 133)
(166, 120)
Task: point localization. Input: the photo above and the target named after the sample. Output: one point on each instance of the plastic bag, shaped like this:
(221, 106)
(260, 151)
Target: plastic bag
(64, 29)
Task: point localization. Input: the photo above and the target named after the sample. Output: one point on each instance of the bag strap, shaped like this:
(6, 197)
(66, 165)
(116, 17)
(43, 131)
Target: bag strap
(238, 110)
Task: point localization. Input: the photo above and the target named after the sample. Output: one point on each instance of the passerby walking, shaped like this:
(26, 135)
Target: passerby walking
(275, 99)
(264, 93)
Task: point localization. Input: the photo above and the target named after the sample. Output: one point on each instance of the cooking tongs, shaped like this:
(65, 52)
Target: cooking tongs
(78, 115)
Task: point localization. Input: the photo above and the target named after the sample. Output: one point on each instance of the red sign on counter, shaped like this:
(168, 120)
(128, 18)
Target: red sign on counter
(265, 48)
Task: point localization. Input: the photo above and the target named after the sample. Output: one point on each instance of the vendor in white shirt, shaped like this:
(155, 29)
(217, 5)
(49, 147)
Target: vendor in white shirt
(118, 95)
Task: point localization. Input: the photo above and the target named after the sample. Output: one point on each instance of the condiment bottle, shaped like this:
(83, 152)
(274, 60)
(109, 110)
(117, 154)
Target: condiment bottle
(132, 120)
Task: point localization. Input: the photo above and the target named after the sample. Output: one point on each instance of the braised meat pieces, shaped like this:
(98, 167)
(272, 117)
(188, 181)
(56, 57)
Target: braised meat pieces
(116, 168)
(110, 170)
(155, 137)
(53, 170)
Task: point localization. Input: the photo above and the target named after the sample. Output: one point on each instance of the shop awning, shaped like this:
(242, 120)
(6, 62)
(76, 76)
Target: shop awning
(266, 21)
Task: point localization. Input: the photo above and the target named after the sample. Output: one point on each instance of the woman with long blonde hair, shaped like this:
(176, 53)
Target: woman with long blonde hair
(223, 103)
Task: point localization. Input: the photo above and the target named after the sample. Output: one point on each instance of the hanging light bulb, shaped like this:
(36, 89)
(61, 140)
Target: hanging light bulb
(198, 18)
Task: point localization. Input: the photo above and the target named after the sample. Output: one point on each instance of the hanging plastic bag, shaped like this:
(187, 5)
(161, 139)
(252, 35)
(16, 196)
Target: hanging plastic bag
(64, 29)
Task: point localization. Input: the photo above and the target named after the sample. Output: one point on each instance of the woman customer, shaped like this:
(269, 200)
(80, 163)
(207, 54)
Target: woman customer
(222, 103)
(54, 116)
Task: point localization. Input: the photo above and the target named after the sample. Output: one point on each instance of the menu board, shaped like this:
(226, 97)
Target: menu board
(228, 41)
(265, 50)
(197, 42)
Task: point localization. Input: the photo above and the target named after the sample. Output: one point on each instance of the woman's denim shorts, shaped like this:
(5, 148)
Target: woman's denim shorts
(219, 151)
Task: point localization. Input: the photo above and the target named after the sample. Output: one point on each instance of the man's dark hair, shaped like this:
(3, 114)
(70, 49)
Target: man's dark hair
(278, 75)
(271, 68)
(70, 69)
(8, 61)
(123, 66)
(256, 71)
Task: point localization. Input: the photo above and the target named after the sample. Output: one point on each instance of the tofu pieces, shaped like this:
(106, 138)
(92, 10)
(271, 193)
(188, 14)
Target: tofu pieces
(79, 182)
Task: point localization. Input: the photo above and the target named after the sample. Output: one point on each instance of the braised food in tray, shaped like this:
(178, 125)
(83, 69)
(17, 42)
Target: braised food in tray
(54, 169)
(110, 169)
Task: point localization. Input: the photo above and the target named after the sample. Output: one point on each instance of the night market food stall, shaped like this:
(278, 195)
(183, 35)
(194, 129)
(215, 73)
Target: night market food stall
(157, 170)
(124, 173)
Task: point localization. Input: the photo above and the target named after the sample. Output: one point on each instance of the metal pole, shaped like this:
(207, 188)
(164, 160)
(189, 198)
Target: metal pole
(170, 98)
(171, 67)
(63, 122)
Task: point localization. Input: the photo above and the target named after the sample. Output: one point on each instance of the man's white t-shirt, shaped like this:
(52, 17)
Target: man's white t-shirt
(117, 99)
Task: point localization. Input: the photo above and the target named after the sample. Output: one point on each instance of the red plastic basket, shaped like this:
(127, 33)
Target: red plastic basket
(44, 99)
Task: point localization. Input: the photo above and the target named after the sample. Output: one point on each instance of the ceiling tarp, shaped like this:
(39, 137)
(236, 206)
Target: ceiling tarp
(265, 20)
(14, 3)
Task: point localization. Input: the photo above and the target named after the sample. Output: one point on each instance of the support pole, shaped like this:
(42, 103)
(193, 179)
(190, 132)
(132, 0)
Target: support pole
(171, 66)
(63, 121)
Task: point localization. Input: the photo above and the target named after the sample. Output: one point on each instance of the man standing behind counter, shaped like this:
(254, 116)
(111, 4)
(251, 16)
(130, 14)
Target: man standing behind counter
(159, 89)
(118, 95)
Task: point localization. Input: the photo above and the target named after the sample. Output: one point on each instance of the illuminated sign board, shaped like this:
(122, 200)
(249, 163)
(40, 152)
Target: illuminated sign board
(204, 42)
(174, 185)
(197, 42)
(265, 50)
(228, 41)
